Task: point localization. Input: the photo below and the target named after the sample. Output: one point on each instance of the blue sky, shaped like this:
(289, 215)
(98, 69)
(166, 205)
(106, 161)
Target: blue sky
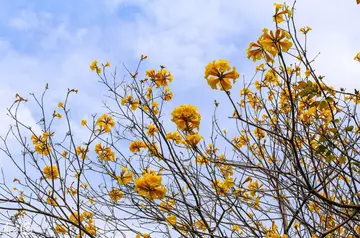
(54, 42)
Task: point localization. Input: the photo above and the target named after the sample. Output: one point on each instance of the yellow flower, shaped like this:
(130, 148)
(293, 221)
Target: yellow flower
(357, 57)
(51, 201)
(91, 229)
(256, 52)
(200, 224)
(171, 220)
(160, 78)
(307, 72)
(314, 207)
(104, 153)
(128, 100)
(51, 172)
(93, 65)
(143, 235)
(167, 94)
(135, 146)
(296, 225)
(116, 194)
(271, 76)
(21, 198)
(273, 43)
(175, 136)
(202, 160)
(305, 29)
(259, 133)
(149, 93)
(107, 64)
(254, 187)
(186, 117)
(151, 129)
(167, 206)
(279, 15)
(193, 140)
(60, 229)
(74, 217)
(240, 141)
(87, 215)
(81, 151)
(149, 185)
(235, 228)
(83, 122)
(125, 177)
(219, 73)
(257, 85)
(105, 122)
(41, 144)
(64, 154)
(60, 104)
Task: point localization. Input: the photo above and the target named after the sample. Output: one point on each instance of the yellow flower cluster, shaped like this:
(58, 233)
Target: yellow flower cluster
(41, 143)
(51, 201)
(104, 153)
(60, 229)
(269, 45)
(115, 194)
(154, 108)
(131, 102)
(136, 145)
(222, 187)
(175, 136)
(357, 57)
(151, 129)
(186, 117)
(171, 220)
(305, 29)
(51, 172)
(149, 185)
(105, 122)
(167, 206)
(272, 232)
(240, 141)
(161, 78)
(167, 94)
(94, 66)
(143, 235)
(125, 177)
(82, 152)
(280, 13)
(219, 73)
(193, 140)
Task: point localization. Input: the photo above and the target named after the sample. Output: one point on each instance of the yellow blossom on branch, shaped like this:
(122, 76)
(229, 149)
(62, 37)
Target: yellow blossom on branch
(104, 153)
(135, 146)
(219, 73)
(60, 229)
(305, 29)
(357, 57)
(125, 177)
(51, 172)
(115, 194)
(186, 117)
(105, 122)
(149, 185)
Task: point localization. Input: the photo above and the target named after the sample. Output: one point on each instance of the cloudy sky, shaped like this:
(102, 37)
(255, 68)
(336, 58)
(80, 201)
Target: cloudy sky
(54, 41)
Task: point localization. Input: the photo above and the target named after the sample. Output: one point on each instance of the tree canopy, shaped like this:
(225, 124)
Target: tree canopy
(289, 167)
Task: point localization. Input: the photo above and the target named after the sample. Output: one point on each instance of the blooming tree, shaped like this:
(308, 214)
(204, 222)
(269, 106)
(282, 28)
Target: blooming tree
(290, 169)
